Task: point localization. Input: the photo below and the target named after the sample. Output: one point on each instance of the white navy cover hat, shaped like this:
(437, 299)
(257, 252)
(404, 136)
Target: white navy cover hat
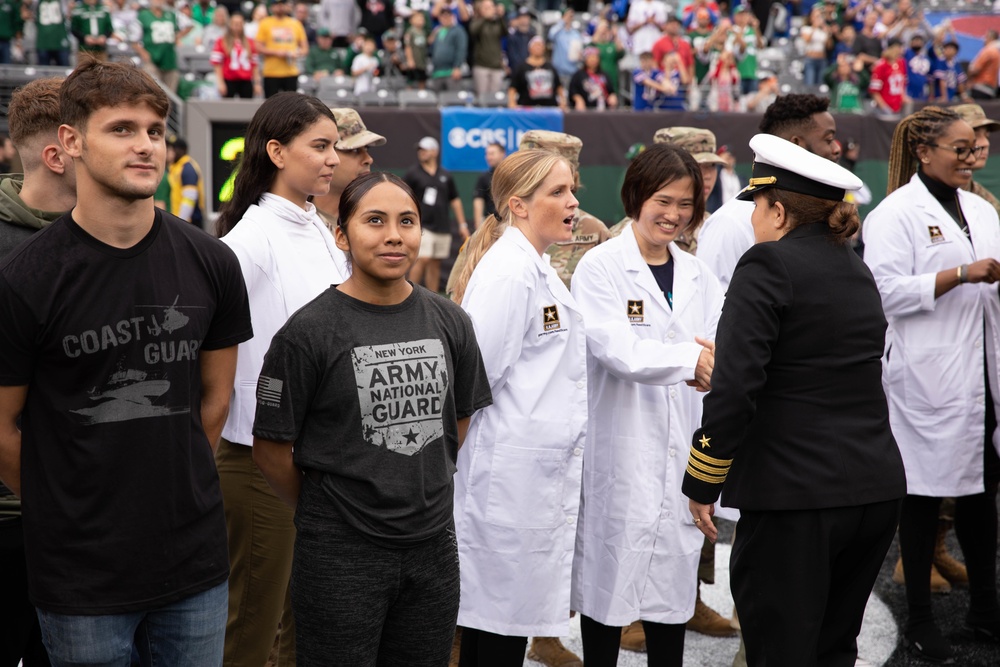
(781, 164)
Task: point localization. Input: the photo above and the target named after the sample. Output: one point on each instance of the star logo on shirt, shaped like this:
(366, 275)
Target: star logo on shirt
(704, 441)
(635, 310)
(411, 436)
(550, 318)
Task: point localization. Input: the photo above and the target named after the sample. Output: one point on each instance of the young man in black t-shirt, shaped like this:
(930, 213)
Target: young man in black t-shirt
(123, 320)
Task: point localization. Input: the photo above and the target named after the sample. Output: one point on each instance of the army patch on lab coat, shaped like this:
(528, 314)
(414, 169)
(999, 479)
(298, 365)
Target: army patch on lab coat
(635, 310)
(935, 233)
(550, 318)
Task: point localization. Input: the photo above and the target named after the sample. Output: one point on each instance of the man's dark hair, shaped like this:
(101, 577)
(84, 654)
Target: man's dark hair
(791, 114)
(94, 85)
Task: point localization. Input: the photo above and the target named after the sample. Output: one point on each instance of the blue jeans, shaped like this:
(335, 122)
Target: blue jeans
(814, 68)
(187, 633)
(4, 51)
(58, 57)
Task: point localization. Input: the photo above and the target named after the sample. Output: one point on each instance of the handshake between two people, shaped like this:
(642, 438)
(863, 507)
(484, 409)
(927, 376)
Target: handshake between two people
(706, 363)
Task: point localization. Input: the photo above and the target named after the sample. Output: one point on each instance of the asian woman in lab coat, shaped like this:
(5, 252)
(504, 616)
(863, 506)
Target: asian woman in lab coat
(651, 310)
(517, 490)
(933, 250)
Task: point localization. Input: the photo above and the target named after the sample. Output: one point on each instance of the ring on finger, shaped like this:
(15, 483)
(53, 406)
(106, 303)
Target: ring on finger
(697, 521)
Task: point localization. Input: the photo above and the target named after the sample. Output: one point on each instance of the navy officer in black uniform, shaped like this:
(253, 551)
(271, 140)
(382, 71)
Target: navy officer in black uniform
(795, 432)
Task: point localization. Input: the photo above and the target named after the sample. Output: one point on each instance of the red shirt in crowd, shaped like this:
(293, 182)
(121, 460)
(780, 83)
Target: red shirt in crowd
(668, 44)
(238, 64)
(889, 80)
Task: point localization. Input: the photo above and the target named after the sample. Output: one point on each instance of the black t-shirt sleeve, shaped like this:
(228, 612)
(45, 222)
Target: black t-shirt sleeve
(452, 189)
(17, 336)
(576, 86)
(231, 322)
(518, 81)
(748, 331)
(285, 390)
(472, 386)
(482, 190)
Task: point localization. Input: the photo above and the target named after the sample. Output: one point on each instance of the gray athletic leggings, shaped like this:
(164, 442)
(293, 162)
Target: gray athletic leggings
(360, 604)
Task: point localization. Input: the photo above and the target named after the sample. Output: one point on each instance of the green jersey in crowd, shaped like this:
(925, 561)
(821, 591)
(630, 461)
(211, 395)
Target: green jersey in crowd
(159, 38)
(326, 60)
(11, 23)
(747, 64)
(91, 21)
(50, 22)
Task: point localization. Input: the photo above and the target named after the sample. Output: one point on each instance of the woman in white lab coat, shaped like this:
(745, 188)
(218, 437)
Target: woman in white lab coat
(517, 490)
(651, 310)
(933, 250)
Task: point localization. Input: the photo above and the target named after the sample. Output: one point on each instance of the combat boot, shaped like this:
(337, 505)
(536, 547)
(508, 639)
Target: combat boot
(709, 622)
(634, 637)
(951, 569)
(550, 652)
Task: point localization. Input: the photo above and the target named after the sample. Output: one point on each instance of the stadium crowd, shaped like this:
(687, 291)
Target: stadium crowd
(868, 56)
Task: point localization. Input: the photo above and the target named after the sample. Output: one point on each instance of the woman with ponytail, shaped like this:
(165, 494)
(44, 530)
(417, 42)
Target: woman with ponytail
(795, 432)
(288, 257)
(932, 247)
(517, 490)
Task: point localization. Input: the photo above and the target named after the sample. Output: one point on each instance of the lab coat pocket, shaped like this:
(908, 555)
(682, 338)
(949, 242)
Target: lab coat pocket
(630, 473)
(526, 487)
(935, 377)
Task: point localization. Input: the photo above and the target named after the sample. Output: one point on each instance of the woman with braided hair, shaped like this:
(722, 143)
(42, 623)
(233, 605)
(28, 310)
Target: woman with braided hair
(932, 247)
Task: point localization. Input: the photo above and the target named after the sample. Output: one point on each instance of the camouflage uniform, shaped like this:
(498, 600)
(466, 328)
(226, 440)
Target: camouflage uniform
(588, 230)
(974, 115)
(353, 135)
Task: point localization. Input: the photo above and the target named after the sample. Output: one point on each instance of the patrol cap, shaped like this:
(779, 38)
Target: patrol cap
(974, 115)
(700, 143)
(783, 165)
(560, 143)
(352, 130)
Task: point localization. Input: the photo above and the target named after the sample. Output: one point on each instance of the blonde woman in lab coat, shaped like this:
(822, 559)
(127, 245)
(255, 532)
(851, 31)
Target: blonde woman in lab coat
(517, 490)
(651, 310)
(933, 250)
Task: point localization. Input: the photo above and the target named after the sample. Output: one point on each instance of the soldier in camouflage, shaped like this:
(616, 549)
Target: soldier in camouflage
(700, 144)
(588, 231)
(974, 115)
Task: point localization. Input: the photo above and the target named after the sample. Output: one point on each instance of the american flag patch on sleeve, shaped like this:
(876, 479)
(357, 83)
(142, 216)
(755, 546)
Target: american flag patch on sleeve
(269, 390)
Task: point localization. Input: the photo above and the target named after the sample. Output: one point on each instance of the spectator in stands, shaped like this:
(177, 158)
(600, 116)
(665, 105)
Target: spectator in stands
(673, 39)
(281, 39)
(217, 28)
(486, 32)
(947, 76)
(589, 87)
(187, 190)
(189, 33)
(324, 60)
(341, 18)
(844, 42)
(816, 38)
(703, 38)
(536, 82)
(845, 85)
(611, 50)
(202, 12)
(301, 14)
(365, 67)
(766, 94)
(234, 57)
(725, 82)
(259, 14)
(91, 25)
(51, 36)
(482, 198)
(449, 45)
(416, 50)
(918, 68)
(746, 41)
(649, 84)
(645, 23)
(858, 11)
(887, 20)
(462, 9)
(888, 83)
(11, 27)
(984, 71)
(158, 49)
(377, 16)
(690, 13)
(392, 57)
(436, 191)
(567, 46)
(868, 45)
(520, 33)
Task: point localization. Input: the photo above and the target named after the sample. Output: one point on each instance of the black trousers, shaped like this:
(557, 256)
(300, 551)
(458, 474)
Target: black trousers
(601, 643)
(487, 649)
(242, 89)
(801, 580)
(280, 84)
(20, 637)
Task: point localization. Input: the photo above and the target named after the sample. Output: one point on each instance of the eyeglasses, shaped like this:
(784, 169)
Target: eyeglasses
(963, 152)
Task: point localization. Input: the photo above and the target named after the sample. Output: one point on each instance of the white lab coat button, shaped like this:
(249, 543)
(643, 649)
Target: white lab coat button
(673, 393)
(579, 318)
(577, 451)
(670, 334)
(570, 520)
(581, 384)
(979, 344)
(980, 399)
(672, 452)
(670, 515)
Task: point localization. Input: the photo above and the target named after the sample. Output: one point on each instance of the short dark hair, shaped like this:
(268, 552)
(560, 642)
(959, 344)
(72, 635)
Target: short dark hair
(655, 167)
(33, 110)
(790, 114)
(362, 185)
(95, 85)
(498, 145)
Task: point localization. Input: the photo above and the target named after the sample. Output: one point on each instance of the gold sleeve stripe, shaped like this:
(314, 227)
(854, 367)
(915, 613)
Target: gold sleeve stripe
(705, 458)
(704, 478)
(721, 472)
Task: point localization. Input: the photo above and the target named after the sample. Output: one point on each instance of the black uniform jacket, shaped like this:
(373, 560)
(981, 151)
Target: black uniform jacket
(797, 418)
